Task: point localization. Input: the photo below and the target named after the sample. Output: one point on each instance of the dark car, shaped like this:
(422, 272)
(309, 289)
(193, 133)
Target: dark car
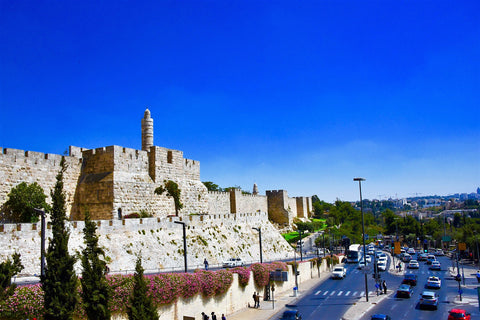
(380, 317)
(428, 299)
(422, 257)
(404, 291)
(410, 279)
(458, 314)
(291, 315)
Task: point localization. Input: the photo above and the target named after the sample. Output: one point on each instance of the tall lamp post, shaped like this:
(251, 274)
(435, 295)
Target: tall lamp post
(260, 240)
(41, 212)
(363, 232)
(184, 243)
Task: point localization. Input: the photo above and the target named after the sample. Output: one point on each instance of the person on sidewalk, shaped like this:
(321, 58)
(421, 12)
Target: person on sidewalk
(214, 316)
(205, 262)
(223, 317)
(478, 276)
(204, 316)
(257, 300)
(384, 285)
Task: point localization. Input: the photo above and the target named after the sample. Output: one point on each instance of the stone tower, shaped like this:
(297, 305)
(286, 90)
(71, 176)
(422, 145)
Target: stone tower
(147, 131)
(255, 189)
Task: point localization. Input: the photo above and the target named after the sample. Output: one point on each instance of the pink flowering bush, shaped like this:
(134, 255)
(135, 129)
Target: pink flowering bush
(243, 275)
(165, 288)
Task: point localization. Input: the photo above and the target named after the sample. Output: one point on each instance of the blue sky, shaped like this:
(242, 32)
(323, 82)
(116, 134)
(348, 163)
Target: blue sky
(295, 95)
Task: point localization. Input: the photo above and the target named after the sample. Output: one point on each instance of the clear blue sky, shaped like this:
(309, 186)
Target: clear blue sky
(295, 95)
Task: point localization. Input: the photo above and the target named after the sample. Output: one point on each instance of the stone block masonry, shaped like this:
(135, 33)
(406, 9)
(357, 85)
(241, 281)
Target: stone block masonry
(160, 241)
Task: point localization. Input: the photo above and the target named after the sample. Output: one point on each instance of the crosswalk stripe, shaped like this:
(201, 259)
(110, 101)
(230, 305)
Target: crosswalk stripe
(362, 293)
(318, 292)
(340, 293)
(333, 292)
(355, 293)
(347, 294)
(325, 293)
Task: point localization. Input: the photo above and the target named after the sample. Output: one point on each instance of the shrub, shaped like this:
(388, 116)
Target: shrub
(131, 216)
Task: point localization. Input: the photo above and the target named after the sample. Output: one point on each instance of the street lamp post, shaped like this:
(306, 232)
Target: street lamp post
(363, 232)
(41, 212)
(184, 244)
(301, 245)
(259, 229)
(476, 242)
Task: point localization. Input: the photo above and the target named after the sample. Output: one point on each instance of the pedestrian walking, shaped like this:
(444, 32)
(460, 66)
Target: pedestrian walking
(478, 276)
(204, 316)
(223, 317)
(384, 284)
(214, 316)
(205, 262)
(254, 299)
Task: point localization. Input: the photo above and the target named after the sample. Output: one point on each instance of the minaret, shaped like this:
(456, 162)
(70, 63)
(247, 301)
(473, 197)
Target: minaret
(255, 189)
(147, 131)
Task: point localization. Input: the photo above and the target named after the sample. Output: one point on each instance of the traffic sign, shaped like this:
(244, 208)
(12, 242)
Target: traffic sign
(462, 246)
(446, 238)
(397, 249)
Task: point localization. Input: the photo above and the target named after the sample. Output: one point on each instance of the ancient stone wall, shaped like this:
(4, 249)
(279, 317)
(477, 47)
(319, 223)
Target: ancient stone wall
(302, 210)
(18, 166)
(160, 240)
(277, 206)
(218, 202)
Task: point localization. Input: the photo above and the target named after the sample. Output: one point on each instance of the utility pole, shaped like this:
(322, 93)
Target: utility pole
(41, 212)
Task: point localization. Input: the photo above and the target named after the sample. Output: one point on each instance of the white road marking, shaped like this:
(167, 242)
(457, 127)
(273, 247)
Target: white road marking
(333, 292)
(340, 293)
(325, 293)
(347, 294)
(355, 293)
(318, 292)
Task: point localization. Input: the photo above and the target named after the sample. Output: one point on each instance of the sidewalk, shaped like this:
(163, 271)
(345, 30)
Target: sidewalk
(266, 311)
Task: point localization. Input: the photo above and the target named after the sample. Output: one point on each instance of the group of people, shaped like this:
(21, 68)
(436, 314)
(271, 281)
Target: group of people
(381, 286)
(214, 316)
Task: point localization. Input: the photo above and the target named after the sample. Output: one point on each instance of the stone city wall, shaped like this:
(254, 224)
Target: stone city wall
(160, 241)
(18, 166)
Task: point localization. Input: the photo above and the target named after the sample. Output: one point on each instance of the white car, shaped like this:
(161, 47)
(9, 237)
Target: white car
(232, 263)
(382, 266)
(339, 273)
(434, 283)
(439, 252)
(411, 251)
(413, 264)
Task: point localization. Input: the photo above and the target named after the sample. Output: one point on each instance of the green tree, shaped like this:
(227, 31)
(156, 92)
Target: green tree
(22, 200)
(211, 186)
(8, 269)
(141, 305)
(172, 190)
(59, 282)
(95, 289)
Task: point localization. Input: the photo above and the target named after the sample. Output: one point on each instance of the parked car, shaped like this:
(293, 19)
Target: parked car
(339, 273)
(422, 257)
(404, 290)
(232, 263)
(430, 258)
(458, 314)
(380, 317)
(410, 279)
(291, 315)
(433, 283)
(428, 299)
(413, 264)
(435, 266)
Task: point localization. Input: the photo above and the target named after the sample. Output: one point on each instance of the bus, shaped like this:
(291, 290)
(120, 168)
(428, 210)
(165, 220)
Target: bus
(354, 253)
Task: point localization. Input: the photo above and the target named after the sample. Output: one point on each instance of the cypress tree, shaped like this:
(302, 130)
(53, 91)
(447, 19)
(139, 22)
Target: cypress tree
(95, 290)
(59, 282)
(141, 306)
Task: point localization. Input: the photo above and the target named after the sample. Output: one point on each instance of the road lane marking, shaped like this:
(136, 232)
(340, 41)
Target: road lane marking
(333, 292)
(325, 293)
(347, 294)
(340, 293)
(355, 293)
(362, 293)
(318, 292)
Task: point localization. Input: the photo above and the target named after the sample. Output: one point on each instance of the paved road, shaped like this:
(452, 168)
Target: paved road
(333, 298)
(403, 308)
